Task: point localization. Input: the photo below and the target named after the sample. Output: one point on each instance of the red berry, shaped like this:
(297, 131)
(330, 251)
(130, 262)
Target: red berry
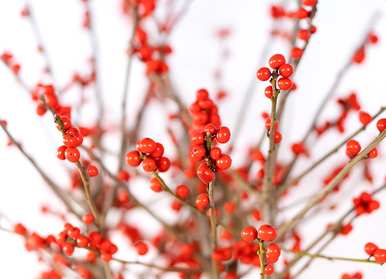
(82, 241)
(373, 153)
(266, 233)
(163, 164)
(276, 61)
(182, 191)
(272, 253)
(277, 137)
(249, 234)
(202, 201)
(263, 74)
(68, 249)
(133, 158)
(141, 248)
(370, 248)
(380, 256)
(72, 154)
(60, 153)
(352, 148)
(92, 170)
(155, 185)
(149, 165)
(88, 218)
(268, 269)
(204, 173)
(268, 92)
(310, 3)
(364, 118)
(284, 84)
(197, 137)
(381, 124)
(158, 151)
(215, 153)
(197, 153)
(223, 135)
(286, 70)
(224, 162)
(146, 145)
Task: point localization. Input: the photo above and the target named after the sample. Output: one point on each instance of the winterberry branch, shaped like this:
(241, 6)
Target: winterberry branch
(334, 230)
(53, 186)
(332, 90)
(333, 258)
(154, 266)
(329, 188)
(328, 154)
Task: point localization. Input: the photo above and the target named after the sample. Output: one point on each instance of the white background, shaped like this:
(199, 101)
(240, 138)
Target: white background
(340, 27)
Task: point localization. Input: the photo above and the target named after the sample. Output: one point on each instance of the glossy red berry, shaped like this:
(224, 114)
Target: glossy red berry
(352, 148)
(381, 125)
(380, 256)
(370, 248)
(158, 151)
(249, 234)
(277, 137)
(204, 173)
(215, 153)
(272, 253)
(88, 218)
(223, 135)
(310, 3)
(224, 162)
(163, 164)
(373, 153)
(68, 249)
(202, 201)
(263, 74)
(276, 61)
(268, 92)
(141, 248)
(92, 170)
(284, 84)
(60, 153)
(149, 165)
(364, 118)
(269, 269)
(182, 191)
(133, 158)
(146, 145)
(72, 154)
(266, 233)
(286, 70)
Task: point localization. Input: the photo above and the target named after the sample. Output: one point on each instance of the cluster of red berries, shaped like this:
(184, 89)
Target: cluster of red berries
(45, 97)
(265, 233)
(206, 133)
(365, 204)
(152, 56)
(150, 154)
(280, 71)
(68, 240)
(377, 253)
(356, 275)
(303, 13)
(9, 60)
